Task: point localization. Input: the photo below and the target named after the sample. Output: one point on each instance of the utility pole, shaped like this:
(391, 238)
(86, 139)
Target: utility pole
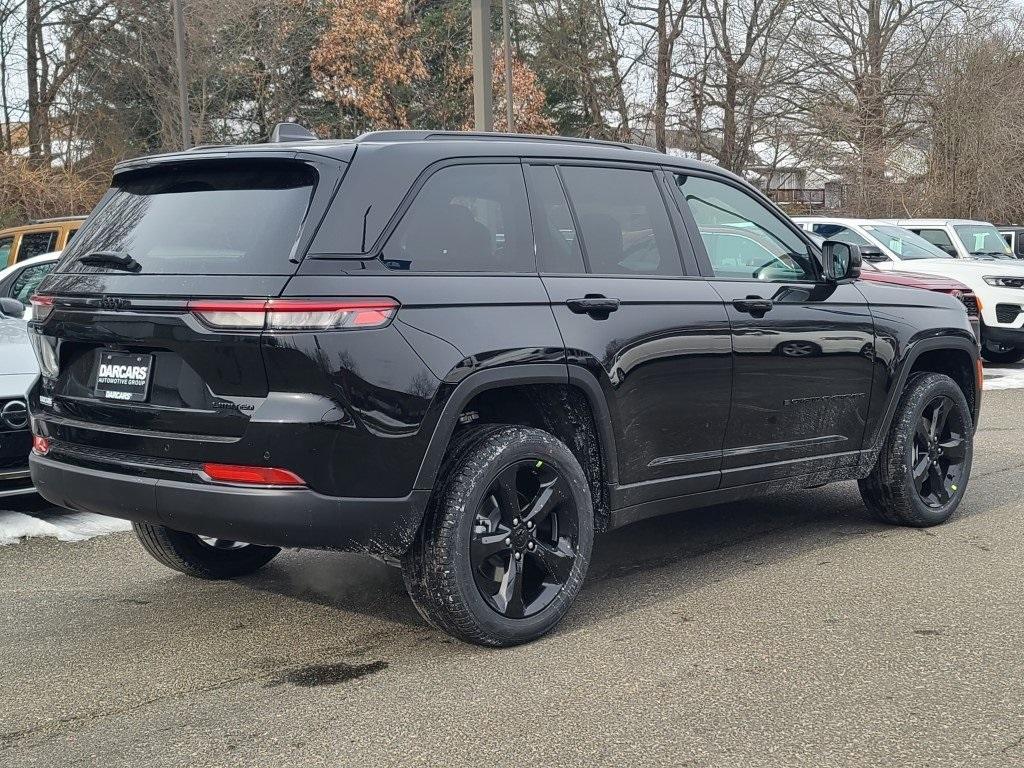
(509, 120)
(179, 42)
(483, 118)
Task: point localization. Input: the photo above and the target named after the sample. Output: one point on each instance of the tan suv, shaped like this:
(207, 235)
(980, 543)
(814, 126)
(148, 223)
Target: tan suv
(42, 236)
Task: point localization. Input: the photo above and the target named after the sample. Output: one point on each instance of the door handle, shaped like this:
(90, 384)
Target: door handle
(754, 305)
(596, 306)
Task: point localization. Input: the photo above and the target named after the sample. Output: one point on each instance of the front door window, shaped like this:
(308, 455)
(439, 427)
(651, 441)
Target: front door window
(744, 240)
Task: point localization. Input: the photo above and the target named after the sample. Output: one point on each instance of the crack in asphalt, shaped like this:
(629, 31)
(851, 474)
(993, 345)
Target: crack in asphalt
(11, 737)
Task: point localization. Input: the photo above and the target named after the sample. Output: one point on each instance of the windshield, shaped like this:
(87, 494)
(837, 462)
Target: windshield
(905, 243)
(983, 240)
(202, 218)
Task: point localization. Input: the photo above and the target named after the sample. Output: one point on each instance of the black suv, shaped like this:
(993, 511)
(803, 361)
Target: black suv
(467, 354)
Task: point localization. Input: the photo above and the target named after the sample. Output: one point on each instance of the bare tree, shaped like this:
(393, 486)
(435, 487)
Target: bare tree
(867, 62)
(660, 24)
(739, 72)
(11, 29)
(976, 144)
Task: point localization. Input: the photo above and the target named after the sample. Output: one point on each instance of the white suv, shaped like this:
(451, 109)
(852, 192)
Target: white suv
(985, 266)
(960, 238)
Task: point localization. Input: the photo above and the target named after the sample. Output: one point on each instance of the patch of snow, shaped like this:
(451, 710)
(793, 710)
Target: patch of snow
(72, 526)
(1004, 378)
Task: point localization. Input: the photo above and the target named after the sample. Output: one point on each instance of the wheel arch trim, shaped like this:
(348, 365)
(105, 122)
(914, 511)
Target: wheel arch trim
(510, 376)
(913, 353)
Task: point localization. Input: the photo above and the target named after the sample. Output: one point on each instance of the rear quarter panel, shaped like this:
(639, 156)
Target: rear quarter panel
(448, 328)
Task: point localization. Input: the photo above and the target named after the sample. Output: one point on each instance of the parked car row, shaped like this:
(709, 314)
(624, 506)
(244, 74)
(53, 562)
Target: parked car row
(969, 252)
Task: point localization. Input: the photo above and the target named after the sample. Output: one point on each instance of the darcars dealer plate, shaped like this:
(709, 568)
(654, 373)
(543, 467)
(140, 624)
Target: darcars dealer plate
(124, 377)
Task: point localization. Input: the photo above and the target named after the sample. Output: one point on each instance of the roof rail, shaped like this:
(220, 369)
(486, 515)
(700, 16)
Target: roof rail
(385, 136)
(56, 219)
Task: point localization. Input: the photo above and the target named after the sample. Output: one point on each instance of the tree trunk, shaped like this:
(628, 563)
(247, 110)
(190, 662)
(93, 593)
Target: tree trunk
(729, 158)
(662, 67)
(33, 25)
(7, 145)
(872, 106)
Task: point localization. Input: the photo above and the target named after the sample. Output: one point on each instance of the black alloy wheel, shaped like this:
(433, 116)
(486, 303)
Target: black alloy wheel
(939, 451)
(524, 539)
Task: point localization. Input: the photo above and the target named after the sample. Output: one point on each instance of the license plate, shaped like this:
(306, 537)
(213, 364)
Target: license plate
(124, 377)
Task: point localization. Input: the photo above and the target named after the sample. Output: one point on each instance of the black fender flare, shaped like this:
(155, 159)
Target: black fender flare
(513, 375)
(913, 352)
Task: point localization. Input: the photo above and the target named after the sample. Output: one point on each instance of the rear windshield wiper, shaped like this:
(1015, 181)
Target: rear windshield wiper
(113, 259)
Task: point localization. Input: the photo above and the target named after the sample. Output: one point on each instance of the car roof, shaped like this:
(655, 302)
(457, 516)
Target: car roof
(845, 220)
(933, 222)
(446, 143)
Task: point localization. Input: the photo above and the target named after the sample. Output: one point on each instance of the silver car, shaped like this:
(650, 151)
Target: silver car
(18, 372)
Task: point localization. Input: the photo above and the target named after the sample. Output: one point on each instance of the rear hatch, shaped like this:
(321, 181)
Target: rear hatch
(123, 357)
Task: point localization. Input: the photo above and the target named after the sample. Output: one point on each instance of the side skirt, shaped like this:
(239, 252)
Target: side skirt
(654, 508)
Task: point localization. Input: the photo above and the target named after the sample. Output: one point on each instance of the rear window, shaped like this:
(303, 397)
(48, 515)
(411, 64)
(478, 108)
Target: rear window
(216, 218)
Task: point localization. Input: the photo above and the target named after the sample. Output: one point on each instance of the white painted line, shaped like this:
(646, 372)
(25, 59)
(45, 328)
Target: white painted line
(72, 526)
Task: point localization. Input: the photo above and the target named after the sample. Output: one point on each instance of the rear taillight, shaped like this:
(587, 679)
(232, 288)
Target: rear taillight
(42, 306)
(294, 314)
(235, 473)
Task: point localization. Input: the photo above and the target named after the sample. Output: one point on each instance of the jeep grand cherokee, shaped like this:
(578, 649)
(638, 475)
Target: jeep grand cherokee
(467, 354)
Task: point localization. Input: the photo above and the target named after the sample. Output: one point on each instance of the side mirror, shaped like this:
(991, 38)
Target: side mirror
(873, 254)
(12, 308)
(841, 261)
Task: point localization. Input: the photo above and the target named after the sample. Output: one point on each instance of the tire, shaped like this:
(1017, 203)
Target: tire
(461, 572)
(193, 556)
(1002, 354)
(897, 491)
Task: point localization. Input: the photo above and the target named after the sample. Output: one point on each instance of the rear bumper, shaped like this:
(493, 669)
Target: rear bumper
(293, 517)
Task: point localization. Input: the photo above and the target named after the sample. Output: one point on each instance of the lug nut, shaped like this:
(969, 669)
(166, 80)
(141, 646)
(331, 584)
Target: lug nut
(515, 521)
(518, 555)
(529, 524)
(532, 544)
(508, 539)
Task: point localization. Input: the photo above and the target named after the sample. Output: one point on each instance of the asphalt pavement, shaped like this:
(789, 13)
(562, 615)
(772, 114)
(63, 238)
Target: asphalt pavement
(787, 630)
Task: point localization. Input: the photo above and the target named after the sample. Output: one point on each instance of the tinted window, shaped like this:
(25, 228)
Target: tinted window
(71, 234)
(5, 250)
(215, 218)
(29, 279)
(466, 218)
(937, 237)
(839, 232)
(35, 244)
(905, 243)
(743, 238)
(558, 248)
(625, 227)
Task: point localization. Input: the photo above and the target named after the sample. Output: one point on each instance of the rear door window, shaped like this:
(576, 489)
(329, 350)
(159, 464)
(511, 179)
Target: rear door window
(5, 250)
(466, 218)
(239, 218)
(623, 220)
(937, 237)
(558, 246)
(838, 232)
(36, 244)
